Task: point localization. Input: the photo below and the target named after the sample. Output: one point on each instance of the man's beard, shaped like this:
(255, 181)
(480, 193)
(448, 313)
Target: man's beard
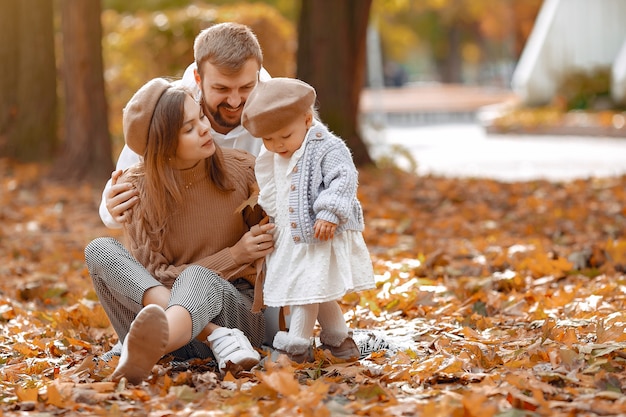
(218, 119)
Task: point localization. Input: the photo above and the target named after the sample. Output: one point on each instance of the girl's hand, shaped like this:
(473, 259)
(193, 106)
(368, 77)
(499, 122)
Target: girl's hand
(324, 230)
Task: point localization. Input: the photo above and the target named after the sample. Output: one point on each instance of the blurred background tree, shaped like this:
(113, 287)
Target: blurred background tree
(28, 96)
(86, 150)
(140, 44)
(461, 41)
(454, 41)
(331, 57)
(467, 41)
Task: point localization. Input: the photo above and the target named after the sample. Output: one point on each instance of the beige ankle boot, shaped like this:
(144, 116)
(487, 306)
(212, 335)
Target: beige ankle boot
(341, 346)
(298, 349)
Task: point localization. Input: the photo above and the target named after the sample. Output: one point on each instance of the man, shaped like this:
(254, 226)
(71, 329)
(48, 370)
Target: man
(228, 63)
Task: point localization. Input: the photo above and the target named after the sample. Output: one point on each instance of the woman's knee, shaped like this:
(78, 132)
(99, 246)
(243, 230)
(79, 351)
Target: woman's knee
(100, 254)
(97, 249)
(196, 286)
(199, 277)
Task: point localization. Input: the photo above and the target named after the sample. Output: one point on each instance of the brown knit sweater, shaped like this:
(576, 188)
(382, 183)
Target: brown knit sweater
(203, 228)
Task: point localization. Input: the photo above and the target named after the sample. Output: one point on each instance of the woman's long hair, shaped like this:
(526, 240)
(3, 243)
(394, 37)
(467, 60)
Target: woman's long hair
(157, 181)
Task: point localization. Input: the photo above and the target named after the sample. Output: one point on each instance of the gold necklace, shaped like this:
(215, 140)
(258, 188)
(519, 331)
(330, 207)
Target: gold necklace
(188, 182)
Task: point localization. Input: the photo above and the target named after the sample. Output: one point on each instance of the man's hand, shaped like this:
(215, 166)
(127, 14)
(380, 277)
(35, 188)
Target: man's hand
(324, 230)
(121, 198)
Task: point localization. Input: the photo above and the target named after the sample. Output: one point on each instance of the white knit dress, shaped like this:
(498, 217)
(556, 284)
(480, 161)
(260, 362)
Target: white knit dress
(307, 273)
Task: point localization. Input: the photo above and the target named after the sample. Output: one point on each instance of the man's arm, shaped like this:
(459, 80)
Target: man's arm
(119, 196)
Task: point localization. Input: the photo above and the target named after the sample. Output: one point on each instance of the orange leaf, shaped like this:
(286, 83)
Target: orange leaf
(282, 381)
(26, 394)
(55, 395)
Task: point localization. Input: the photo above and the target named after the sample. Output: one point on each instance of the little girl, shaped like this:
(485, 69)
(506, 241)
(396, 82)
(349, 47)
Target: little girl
(308, 185)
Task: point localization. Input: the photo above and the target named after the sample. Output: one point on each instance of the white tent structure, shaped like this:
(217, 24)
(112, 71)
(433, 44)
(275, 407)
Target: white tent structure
(572, 35)
(618, 74)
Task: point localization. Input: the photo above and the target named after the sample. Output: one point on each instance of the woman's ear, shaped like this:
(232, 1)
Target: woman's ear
(309, 119)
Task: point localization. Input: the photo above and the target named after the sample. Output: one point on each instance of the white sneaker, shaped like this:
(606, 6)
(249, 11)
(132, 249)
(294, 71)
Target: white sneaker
(231, 345)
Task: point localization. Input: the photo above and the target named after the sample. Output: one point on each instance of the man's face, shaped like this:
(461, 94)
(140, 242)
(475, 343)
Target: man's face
(225, 94)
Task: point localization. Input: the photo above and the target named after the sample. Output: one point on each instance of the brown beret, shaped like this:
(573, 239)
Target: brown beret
(275, 103)
(138, 113)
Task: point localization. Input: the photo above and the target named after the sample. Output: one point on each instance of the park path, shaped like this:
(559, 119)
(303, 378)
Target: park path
(438, 128)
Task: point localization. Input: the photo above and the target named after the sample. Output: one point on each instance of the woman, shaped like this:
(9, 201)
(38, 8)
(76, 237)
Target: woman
(186, 283)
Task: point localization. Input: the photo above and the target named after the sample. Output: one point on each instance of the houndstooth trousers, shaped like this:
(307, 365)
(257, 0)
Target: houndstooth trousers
(120, 282)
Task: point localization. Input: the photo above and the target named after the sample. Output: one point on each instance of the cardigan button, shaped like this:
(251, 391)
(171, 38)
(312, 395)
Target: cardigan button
(295, 169)
(318, 134)
(293, 188)
(294, 225)
(291, 210)
(296, 239)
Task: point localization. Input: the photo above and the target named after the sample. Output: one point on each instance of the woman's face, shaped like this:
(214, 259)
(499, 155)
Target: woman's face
(194, 139)
(287, 140)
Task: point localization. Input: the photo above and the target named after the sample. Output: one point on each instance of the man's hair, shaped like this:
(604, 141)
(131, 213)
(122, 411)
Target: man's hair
(227, 46)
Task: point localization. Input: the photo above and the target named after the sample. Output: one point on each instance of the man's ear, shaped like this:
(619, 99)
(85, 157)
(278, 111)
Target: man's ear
(196, 77)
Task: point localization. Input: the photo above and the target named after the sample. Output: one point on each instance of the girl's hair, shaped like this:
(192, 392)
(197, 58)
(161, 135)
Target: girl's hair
(228, 46)
(157, 180)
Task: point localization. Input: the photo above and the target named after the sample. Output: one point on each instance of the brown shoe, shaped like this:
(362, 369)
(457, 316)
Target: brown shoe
(347, 350)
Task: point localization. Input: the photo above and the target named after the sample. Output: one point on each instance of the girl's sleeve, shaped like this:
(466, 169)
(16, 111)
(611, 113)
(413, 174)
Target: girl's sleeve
(339, 181)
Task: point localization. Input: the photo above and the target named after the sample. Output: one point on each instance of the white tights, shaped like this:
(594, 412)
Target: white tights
(329, 315)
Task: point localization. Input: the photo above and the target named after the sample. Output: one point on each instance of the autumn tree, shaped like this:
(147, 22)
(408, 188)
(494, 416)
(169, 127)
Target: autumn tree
(28, 108)
(87, 149)
(331, 57)
(455, 32)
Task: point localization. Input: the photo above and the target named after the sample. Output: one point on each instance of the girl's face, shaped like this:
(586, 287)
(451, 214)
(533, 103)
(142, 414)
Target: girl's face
(287, 140)
(194, 139)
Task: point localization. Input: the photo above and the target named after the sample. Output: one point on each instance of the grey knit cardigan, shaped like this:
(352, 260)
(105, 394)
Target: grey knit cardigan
(324, 186)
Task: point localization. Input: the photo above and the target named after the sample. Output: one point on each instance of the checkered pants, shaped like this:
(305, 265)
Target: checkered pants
(120, 283)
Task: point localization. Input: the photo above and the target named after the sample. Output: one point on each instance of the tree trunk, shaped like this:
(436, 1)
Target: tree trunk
(449, 63)
(27, 80)
(87, 150)
(331, 57)
(8, 70)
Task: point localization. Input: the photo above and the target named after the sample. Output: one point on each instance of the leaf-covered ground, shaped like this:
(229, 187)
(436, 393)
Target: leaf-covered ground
(499, 299)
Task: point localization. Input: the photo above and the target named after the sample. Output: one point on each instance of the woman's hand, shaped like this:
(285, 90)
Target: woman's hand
(254, 244)
(120, 198)
(324, 230)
